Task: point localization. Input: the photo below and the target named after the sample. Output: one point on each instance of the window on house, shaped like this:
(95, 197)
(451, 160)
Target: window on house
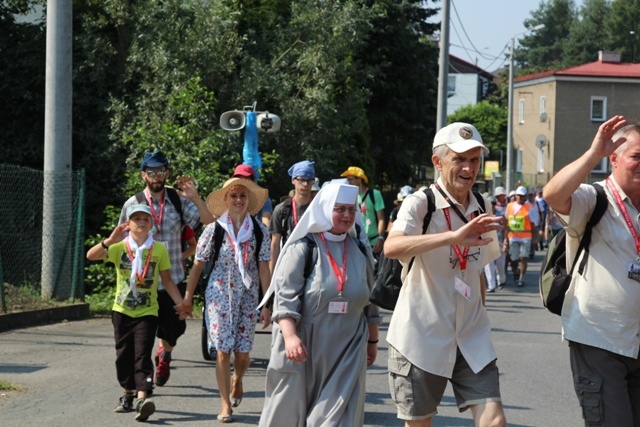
(521, 111)
(543, 104)
(519, 160)
(451, 85)
(598, 108)
(540, 162)
(602, 166)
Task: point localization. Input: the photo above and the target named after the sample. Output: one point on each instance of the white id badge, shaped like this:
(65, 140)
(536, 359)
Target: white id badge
(463, 289)
(338, 306)
(633, 272)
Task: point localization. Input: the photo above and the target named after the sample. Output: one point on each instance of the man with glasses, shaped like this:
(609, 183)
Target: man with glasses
(168, 221)
(440, 330)
(287, 214)
(371, 206)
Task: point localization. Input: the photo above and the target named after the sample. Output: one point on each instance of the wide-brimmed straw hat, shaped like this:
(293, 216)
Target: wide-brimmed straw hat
(257, 196)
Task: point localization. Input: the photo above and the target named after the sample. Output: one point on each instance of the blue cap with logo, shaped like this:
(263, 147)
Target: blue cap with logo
(153, 160)
(138, 208)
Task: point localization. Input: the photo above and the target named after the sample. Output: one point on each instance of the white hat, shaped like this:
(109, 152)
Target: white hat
(459, 137)
(521, 191)
(512, 193)
(499, 191)
(404, 192)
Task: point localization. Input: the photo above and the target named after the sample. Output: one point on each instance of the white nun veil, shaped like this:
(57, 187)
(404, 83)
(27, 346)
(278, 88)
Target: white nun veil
(317, 218)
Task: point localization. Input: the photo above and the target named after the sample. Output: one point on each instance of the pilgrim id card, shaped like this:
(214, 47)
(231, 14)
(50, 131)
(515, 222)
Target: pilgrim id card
(634, 271)
(462, 288)
(338, 306)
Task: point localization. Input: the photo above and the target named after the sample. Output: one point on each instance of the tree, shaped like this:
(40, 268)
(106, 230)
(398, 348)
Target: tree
(543, 49)
(586, 36)
(622, 27)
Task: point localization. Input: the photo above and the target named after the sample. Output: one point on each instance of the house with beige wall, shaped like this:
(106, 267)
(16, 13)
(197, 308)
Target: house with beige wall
(557, 113)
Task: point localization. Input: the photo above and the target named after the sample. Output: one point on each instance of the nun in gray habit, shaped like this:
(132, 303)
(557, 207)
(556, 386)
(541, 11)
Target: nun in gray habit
(325, 332)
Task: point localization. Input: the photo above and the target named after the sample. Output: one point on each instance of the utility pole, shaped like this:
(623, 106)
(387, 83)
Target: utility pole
(443, 73)
(57, 189)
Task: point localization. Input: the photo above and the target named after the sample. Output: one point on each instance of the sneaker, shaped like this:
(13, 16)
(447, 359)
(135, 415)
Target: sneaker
(489, 290)
(501, 285)
(144, 408)
(163, 370)
(125, 404)
(520, 283)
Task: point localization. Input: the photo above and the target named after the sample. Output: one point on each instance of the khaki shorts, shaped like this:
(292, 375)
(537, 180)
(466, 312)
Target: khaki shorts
(418, 393)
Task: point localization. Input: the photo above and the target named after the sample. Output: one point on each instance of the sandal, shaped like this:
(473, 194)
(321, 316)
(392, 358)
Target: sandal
(225, 418)
(236, 401)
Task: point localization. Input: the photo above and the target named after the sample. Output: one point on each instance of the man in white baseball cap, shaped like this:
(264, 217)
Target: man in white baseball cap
(443, 292)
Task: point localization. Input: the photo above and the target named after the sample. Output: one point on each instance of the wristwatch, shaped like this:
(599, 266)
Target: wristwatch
(104, 245)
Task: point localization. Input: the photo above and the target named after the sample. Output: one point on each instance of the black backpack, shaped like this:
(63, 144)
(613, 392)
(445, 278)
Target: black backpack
(218, 236)
(174, 198)
(388, 283)
(554, 277)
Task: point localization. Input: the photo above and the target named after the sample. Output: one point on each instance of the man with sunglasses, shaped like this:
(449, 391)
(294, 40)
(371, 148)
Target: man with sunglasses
(167, 228)
(440, 330)
(287, 214)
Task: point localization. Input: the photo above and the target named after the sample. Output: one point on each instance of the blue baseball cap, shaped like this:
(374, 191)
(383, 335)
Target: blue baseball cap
(153, 160)
(303, 169)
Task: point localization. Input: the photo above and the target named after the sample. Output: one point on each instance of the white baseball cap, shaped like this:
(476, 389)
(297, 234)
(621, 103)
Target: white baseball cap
(459, 137)
(499, 191)
(521, 191)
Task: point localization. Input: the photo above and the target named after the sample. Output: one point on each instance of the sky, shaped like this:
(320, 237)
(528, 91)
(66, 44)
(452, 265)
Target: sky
(490, 24)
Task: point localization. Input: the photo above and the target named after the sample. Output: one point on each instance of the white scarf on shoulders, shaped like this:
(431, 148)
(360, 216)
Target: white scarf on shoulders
(137, 265)
(244, 234)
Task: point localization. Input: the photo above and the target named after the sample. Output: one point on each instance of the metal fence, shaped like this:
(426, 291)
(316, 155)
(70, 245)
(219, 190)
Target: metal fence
(42, 232)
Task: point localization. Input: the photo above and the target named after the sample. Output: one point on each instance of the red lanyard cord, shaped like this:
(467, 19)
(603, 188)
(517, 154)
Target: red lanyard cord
(157, 218)
(146, 264)
(625, 214)
(341, 275)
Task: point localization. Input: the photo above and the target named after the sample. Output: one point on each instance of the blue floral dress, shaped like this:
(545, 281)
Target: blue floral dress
(230, 307)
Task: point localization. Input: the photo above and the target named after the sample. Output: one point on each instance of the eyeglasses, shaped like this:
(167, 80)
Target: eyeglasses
(342, 209)
(307, 181)
(351, 178)
(453, 259)
(159, 173)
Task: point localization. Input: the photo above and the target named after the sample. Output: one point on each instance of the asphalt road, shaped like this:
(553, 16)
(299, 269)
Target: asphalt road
(67, 374)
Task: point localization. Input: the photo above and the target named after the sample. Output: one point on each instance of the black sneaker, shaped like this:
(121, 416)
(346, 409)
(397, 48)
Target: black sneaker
(144, 408)
(125, 404)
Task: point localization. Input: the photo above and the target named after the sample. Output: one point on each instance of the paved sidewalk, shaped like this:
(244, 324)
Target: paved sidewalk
(68, 376)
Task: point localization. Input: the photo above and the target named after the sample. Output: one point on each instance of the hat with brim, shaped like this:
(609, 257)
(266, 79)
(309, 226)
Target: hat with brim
(138, 208)
(357, 172)
(459, 138)
(257, 196)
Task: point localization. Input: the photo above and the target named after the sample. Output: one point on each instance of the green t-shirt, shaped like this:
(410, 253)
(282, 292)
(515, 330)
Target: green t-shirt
(369, 215)
(146, 303)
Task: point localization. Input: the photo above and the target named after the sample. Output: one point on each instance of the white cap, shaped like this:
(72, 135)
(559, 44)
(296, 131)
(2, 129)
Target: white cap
(499, 191)
(521, 191)
(459, 137)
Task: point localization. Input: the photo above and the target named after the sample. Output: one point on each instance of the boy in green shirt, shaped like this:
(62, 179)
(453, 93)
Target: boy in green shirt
(138, 261)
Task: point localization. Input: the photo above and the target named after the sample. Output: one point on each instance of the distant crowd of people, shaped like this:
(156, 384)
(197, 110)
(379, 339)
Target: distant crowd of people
(307, 267)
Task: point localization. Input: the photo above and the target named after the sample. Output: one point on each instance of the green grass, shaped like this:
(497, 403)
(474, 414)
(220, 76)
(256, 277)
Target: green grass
(7, 386)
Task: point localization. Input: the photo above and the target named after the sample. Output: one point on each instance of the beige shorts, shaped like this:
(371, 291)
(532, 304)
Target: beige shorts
(418, 393)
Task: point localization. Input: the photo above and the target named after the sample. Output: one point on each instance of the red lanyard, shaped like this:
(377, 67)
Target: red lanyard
(462, 255)
(340, 274)
(156, 218)
(233, 245)
(625, 214)
(295, 211)
(146, 264)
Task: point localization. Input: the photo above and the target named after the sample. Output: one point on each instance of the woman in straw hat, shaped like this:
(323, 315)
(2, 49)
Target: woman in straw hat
(231, 295)
(325, 332)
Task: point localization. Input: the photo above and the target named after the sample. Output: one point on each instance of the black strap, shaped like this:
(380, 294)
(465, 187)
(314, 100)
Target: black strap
(455, 208)
(218, 237)
(431, 208)
(598, 212)
(312, 248)
(284, 221)
(174, 198)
